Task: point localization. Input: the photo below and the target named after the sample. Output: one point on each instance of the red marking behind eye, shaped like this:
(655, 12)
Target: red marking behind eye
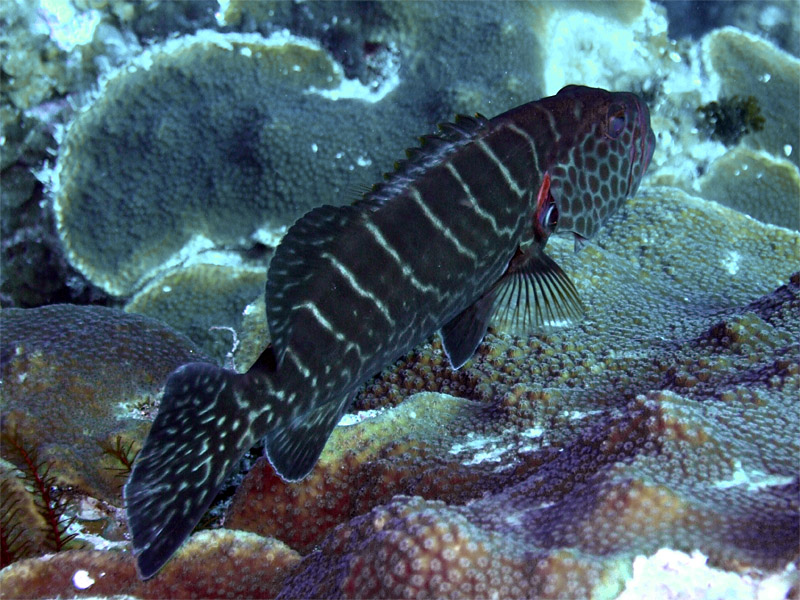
(544, 202)
(543, 197)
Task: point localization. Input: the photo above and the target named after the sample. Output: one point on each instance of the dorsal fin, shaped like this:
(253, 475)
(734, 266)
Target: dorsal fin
(432, 150)
(296, 261)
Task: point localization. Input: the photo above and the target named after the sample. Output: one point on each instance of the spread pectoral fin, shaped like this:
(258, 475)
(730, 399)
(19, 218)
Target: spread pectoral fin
(533, 295)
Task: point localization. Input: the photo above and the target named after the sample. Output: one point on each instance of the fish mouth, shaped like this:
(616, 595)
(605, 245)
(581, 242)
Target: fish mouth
(644, 148)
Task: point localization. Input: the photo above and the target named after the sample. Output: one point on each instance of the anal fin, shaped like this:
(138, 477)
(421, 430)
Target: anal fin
(293, 450)
(463, 333)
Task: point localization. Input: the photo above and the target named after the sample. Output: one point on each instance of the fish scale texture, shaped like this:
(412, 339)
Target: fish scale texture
(667, 418)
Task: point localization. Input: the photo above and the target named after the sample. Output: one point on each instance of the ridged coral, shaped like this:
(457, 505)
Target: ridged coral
(260, 566)
(71, 379)
(748, 65)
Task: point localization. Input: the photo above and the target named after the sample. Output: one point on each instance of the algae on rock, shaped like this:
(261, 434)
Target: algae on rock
(748, 65)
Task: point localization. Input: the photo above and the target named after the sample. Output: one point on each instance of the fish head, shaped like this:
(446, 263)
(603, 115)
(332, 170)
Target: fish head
(604, 146)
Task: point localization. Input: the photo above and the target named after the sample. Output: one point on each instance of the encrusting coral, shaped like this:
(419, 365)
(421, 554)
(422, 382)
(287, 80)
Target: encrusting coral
(665, 419)
(72, 379)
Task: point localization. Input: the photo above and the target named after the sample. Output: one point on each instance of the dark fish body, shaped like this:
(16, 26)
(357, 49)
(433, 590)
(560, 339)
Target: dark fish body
(452, 241)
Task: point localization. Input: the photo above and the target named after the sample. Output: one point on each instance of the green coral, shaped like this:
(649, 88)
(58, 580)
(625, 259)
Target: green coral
(221, 140)
(729, 119)
(747, 65)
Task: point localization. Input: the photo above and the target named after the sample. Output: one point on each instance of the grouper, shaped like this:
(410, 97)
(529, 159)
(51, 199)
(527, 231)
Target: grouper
(452, 241)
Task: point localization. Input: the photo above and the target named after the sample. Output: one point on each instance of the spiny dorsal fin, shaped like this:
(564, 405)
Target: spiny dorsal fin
(297, 261)
(432, 150)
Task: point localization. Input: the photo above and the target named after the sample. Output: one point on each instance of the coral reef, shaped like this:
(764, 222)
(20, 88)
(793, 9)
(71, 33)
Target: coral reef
(747, 65)
(665, 419)
(547, 466)
(197, 106)
(260, 566)
(775, 20)
(757, 184)
(47, 496)
(72, 377)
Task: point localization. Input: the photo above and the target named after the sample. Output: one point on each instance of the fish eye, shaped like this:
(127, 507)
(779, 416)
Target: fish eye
(550, 217)
(616, 120)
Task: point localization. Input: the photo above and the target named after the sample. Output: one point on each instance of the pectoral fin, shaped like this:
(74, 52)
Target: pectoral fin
(533, 295)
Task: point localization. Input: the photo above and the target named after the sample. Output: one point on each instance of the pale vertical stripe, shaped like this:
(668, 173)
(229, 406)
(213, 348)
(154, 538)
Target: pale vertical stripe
(348, 275)
(373, 229)
(437, 223)
(504, 231)
(506, 173)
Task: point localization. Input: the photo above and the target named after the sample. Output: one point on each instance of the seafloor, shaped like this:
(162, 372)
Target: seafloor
(154, 153)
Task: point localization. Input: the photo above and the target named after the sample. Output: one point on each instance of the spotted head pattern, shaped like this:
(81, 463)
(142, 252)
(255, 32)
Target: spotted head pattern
(605, 150)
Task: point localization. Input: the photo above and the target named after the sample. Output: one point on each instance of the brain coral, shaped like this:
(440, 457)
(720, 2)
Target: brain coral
(71, 379)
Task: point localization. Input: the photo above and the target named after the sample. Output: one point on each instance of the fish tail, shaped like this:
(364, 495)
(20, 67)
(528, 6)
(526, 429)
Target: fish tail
(208, 418)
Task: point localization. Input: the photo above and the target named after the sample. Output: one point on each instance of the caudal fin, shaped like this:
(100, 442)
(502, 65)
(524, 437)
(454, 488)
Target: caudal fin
(207, 420)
